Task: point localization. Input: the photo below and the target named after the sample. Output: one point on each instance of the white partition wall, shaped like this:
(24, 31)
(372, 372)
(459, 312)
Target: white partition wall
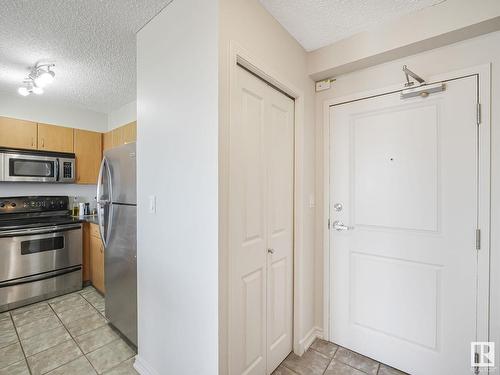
(177, 153)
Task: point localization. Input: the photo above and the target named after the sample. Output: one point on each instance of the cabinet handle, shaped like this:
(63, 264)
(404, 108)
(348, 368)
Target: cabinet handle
(43, 142)
(32, 142)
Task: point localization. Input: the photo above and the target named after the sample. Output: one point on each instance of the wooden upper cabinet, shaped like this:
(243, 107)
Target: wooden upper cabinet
(117, 135)
(55, 138)
(130, 132)
(16, 133)
(123, 134)
(107, 141)
(87, 146)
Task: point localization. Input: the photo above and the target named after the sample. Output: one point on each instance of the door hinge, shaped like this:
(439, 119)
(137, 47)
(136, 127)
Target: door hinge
(478, 113)
(478, 239)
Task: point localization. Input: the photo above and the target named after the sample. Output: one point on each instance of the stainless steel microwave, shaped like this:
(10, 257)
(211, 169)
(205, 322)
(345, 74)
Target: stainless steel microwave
(18, 165)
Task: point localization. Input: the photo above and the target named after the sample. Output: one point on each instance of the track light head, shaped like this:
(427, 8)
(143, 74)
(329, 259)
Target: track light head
(39, 77)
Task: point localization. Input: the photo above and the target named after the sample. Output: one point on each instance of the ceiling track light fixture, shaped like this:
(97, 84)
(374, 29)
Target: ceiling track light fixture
(40, 76)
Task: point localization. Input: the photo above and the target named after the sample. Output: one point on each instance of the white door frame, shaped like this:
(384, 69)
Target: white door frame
(484, 73)
(239, 55)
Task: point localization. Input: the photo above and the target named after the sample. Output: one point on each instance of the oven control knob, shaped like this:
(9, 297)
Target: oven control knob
(13, 204)
(2, 205)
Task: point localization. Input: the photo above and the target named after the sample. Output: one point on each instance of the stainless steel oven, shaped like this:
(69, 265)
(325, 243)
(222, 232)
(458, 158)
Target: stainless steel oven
(40, 250)
(36, 166)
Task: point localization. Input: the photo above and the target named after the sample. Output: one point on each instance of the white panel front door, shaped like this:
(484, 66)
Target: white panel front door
(403, 284)
(260, 227)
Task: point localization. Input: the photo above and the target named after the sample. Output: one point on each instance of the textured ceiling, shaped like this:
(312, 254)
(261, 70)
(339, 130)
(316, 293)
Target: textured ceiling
(92, 43)
(318, 23)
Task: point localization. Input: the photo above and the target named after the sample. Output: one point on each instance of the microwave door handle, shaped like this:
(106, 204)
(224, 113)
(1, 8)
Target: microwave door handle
(57, 168)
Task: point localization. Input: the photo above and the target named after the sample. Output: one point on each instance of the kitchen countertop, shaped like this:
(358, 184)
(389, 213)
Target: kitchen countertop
(87, 218)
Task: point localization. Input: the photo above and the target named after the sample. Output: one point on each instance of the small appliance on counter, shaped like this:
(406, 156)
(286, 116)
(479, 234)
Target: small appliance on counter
(18, 165)
(81, 209)
(40, 250)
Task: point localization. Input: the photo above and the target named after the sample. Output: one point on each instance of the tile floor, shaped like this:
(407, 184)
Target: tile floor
(325, 358)
(67, 335)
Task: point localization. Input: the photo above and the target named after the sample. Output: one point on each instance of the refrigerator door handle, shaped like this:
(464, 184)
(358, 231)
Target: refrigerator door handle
(101, 204)
(110, 211)
(99, 179)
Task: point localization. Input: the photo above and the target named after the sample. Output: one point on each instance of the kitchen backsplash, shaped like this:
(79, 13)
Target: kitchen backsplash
(85, 193)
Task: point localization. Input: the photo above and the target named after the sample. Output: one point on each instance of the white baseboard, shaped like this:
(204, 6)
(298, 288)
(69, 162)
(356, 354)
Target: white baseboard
(144, 368)
(306, 342)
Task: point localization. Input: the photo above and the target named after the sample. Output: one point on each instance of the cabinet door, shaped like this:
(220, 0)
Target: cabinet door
(97, 263)
(87, 146)
(107, 141)
(18, 133)
(86, 253)
(117, 136)
(55, 138)
(130, 132)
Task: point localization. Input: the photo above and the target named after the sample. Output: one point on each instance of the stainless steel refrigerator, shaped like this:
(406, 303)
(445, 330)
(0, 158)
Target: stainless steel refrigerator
(117, 213)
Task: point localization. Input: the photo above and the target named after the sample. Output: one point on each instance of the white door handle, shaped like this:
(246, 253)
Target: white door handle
(339, 226)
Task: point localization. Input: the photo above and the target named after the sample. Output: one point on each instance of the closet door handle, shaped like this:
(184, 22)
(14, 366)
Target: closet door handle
(270, 251)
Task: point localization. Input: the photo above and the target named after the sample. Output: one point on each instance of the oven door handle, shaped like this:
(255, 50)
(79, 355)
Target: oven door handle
(39, 277)
(34, 231)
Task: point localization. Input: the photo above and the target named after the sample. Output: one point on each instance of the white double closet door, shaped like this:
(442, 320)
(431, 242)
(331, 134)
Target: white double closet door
(408, 286)
(261, 165)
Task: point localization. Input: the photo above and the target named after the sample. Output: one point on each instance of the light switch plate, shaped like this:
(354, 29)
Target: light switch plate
(312, 202)
(152, 204)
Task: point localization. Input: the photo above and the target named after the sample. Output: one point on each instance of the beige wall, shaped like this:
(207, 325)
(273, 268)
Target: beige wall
(42, 109)
(177, 162)
(468, 53)
(246, 25)
(445, 23)
(123, 115)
